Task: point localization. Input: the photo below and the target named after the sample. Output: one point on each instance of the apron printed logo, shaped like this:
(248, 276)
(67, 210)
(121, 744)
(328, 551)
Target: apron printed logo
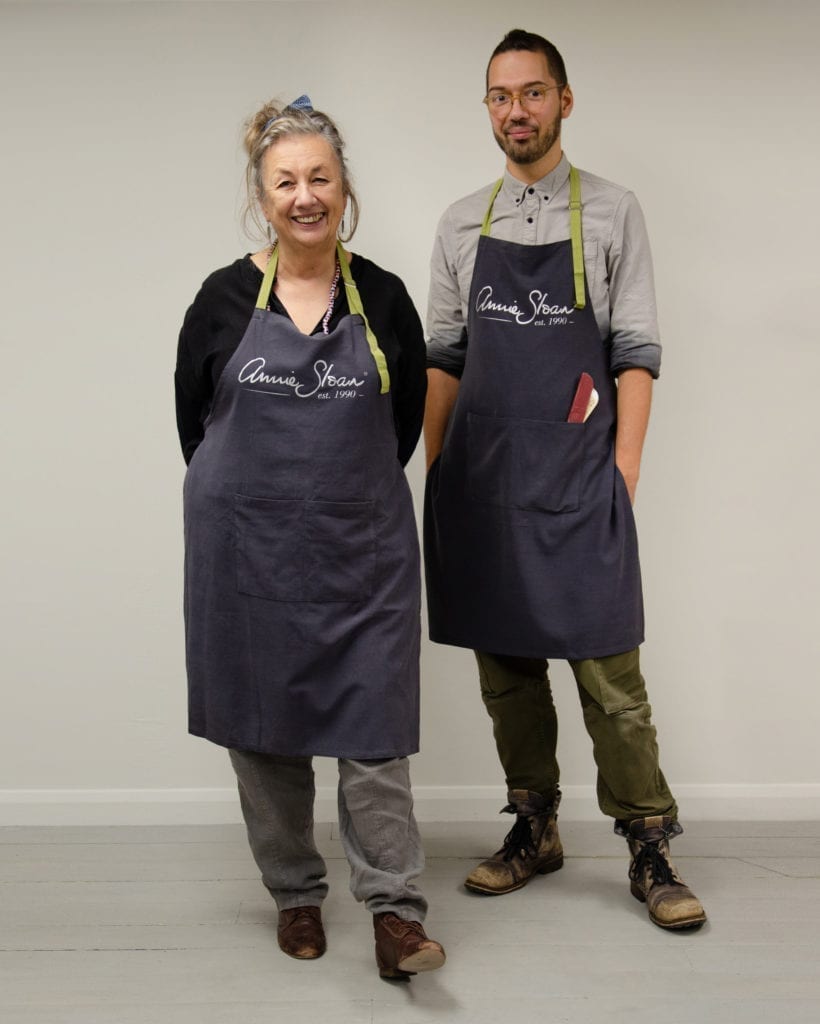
(548, 314)
(253, 372)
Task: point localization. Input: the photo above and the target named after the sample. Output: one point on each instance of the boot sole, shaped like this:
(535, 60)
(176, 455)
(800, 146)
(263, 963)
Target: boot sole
(693, 923)
(552, 865)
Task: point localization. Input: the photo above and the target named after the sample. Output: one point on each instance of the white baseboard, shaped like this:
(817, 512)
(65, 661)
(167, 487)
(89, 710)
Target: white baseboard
(77, 807)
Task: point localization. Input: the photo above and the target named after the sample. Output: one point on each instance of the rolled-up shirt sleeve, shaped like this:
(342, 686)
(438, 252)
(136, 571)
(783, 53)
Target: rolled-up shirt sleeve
(446, 327)
(633, 312)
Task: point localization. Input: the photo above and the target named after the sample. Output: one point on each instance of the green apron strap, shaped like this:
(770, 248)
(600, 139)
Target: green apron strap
(577, 237)
(354, 301)
(485, 226)
(263, 298)
(575, 232)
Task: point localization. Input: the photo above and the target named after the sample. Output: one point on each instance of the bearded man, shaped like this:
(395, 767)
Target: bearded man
(543, 346)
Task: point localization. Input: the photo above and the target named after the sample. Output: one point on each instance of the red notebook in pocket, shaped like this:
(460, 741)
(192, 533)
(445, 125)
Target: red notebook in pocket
(580, 403)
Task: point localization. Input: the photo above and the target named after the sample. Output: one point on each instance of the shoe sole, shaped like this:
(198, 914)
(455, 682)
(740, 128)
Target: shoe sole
(303, 953)
(416, 963)
(423, 960)
(552, 865)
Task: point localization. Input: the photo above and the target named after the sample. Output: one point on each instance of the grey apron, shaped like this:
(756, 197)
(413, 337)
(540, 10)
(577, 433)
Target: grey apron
(302, 601)
(530, 541)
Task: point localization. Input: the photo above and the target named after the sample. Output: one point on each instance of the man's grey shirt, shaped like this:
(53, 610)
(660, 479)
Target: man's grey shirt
(617, 261)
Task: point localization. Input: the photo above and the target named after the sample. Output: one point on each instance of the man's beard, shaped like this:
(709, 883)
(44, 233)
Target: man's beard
(534, 148)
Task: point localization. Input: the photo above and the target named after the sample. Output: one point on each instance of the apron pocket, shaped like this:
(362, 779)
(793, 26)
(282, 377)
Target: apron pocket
(340, 551)
(525, 464)
(269, 537)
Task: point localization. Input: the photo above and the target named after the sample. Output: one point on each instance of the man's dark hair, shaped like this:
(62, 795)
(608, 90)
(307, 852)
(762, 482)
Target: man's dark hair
(518, 39)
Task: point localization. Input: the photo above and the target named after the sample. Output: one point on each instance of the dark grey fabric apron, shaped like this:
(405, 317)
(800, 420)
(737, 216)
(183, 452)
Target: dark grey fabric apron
(530, 541)
(301, 552)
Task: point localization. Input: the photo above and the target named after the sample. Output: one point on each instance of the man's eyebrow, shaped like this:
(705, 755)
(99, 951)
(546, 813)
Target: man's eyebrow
(506, 88)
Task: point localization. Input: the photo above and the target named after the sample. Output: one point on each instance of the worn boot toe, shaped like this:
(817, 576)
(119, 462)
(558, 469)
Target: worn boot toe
(531, 847)
(672, 907)
(654, 879)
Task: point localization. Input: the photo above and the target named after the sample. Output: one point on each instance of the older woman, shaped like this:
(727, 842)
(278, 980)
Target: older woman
(300, 388)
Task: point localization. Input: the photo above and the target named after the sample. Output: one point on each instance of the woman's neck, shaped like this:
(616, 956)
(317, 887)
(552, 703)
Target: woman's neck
(305, 265)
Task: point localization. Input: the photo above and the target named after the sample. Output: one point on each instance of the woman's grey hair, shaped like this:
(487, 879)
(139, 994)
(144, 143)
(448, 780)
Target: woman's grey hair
(272, 123)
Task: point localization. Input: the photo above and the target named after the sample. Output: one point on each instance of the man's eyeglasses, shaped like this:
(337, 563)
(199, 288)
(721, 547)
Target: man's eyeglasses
(532, 97)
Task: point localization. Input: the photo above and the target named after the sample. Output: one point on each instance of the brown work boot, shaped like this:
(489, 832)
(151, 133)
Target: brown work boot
(655, 880)
(300, 932)
(532, 846)
(402, 948)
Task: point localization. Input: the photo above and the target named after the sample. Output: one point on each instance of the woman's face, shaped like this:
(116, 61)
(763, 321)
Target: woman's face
(302, 195)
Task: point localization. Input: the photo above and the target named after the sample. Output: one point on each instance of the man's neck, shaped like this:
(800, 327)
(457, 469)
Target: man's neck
(530, 173)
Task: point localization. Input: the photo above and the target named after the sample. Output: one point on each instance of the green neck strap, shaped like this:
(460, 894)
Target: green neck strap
(263, 297)
(488, 216)
(577, 237)
(575, 232)
(354, 301)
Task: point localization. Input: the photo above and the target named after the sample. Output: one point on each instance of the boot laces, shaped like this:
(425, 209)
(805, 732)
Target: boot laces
(518, 841)
(650, 858)
(410, 928)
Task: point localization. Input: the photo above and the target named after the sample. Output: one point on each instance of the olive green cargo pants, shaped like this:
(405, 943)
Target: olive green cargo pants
(617, 715)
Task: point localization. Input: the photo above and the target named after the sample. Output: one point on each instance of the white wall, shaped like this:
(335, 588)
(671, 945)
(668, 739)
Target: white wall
(121, 175)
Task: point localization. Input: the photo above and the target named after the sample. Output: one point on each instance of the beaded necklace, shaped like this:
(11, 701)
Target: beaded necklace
(333, 287)
(332, 299)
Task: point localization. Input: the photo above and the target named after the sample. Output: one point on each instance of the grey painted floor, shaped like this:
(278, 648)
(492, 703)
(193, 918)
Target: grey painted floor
(171, 926)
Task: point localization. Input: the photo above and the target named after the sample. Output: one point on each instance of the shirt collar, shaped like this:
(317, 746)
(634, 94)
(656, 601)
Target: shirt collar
(514, 189)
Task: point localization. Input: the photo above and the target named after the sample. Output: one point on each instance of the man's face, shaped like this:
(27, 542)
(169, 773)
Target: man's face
(527, 132)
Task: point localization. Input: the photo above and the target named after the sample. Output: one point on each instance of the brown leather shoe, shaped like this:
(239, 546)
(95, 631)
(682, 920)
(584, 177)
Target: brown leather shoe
(654, 878)
(532, 846)
(403, 949)
(300, 932)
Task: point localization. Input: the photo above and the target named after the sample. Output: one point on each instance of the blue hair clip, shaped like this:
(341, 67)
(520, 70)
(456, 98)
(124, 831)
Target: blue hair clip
(300, 103)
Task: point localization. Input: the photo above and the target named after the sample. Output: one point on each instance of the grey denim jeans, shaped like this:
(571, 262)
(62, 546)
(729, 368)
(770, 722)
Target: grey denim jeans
(376, 823)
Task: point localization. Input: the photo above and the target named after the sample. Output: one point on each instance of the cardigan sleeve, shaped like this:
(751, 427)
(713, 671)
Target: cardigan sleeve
(193, 392)
(411, 386)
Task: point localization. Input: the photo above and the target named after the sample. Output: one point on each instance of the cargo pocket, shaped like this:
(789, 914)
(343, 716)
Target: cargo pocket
(270, 544)
(340, 551)
(525, 464)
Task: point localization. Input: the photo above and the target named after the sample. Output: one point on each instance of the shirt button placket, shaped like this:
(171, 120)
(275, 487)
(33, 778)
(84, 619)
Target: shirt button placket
(529, 212)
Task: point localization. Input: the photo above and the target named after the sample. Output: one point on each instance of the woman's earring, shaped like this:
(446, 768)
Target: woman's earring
(270, 235)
